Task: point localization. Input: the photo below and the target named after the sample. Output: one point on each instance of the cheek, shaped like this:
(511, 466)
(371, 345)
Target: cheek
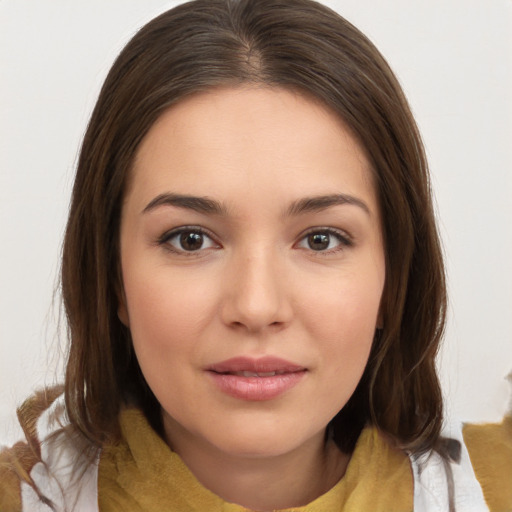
(345, 310)
(343, 321)
(165, 312)
(345, 354)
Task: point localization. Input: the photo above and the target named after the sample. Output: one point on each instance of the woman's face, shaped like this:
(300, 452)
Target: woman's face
(253, 268)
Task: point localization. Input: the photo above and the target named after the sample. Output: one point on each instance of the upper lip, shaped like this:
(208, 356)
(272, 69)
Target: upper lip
(265, 364)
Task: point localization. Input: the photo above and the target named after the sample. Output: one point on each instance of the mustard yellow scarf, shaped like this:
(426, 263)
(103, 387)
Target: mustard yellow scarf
(143, 474)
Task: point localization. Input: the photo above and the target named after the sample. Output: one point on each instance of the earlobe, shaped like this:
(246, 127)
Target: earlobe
(380, 314)
(122, 308)
(380, 319)
(122, 313)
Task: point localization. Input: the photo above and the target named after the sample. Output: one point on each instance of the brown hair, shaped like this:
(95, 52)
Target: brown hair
(296, 44)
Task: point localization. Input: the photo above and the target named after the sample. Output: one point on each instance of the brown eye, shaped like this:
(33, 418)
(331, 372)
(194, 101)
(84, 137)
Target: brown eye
(191, 241)
(328, 240)
(187, 240)
(319, 241)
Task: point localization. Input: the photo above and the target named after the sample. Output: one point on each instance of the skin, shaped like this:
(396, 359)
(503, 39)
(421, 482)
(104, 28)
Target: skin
(255, 286)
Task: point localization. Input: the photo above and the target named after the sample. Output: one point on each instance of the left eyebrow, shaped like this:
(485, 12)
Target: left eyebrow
(319, 203)
(198, 204)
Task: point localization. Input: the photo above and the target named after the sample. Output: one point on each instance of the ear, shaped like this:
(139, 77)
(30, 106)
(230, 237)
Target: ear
(122, 311)
(380, 317)
(122, 307)
(380, 321)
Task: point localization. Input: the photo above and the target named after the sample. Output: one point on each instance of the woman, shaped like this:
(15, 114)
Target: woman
(253, 284)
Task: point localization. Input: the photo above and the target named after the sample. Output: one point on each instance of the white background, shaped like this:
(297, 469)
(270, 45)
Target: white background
(454, 59)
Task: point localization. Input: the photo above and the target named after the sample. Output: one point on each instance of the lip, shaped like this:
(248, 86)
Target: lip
(227, 378)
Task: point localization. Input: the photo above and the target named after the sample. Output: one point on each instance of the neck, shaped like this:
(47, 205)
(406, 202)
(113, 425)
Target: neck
(291, 479)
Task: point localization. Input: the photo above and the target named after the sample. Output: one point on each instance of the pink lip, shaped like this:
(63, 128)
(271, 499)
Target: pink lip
(256, 388)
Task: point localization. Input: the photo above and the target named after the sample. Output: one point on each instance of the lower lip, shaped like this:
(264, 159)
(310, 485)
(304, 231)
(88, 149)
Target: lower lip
(256, 388)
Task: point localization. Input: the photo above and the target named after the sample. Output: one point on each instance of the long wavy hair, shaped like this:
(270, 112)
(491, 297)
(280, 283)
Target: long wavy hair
(294, 44)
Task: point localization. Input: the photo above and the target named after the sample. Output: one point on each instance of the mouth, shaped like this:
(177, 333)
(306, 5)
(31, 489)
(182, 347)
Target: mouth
(260, 379)
(267, 366)
(254, 374)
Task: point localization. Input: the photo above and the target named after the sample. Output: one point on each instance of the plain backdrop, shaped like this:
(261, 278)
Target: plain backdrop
(454, 60)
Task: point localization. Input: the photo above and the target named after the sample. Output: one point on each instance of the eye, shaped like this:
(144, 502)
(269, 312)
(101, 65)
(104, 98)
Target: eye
(324, 240)
(187, 239)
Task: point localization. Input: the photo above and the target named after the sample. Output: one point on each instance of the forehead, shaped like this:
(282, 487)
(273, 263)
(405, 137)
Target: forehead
(239, 139)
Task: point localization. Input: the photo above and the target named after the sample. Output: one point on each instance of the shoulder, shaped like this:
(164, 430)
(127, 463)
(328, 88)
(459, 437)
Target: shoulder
(444, 478)
(17, 462)
(490, 451)
(53, 464)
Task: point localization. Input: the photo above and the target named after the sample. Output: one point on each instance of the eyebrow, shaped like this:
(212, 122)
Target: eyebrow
(211, 206)
(319, 203)
(198, 204)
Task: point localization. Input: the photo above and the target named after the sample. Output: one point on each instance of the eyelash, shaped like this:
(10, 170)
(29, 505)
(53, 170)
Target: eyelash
(165, 239)
(345, 241)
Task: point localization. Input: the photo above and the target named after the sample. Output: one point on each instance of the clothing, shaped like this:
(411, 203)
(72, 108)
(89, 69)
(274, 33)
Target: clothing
(169, 480)
(143, 474)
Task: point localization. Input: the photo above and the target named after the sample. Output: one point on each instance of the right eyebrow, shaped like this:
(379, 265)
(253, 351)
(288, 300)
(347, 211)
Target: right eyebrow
(319, 203)
(195, 203)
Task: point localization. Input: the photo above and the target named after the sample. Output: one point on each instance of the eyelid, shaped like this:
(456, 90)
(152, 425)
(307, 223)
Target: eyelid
(163, 240)
(344, 238)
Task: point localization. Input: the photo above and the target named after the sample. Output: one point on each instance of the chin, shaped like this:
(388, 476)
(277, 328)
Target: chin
(259, 441)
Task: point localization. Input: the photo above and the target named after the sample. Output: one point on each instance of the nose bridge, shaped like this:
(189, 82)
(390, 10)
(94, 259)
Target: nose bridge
(258, 295)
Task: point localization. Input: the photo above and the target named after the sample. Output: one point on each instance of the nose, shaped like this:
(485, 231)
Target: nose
(256, 293)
